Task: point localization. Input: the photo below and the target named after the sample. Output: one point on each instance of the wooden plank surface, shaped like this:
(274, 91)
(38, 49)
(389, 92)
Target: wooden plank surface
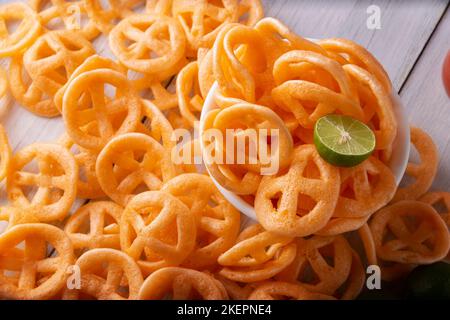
(426, 101)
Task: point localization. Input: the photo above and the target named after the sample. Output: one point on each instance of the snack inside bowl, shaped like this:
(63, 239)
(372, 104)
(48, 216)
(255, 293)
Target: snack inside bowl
(397, 163)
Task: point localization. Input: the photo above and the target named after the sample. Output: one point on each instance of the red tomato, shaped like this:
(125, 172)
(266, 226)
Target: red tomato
(446, 73)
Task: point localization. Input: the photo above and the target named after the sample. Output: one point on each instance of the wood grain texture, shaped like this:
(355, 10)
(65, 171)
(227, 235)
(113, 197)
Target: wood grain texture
(426, 101)
(405, 26)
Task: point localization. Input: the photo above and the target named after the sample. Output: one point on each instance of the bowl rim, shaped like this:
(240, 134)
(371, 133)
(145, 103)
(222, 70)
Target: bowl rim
(397, 163)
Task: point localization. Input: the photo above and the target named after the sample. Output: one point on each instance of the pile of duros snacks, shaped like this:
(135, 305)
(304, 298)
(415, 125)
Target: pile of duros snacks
(151, 229)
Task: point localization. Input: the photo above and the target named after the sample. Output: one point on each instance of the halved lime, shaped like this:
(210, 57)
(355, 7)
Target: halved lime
(343, 141)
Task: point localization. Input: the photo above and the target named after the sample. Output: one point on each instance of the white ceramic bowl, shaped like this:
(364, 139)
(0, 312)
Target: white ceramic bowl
(397, 164)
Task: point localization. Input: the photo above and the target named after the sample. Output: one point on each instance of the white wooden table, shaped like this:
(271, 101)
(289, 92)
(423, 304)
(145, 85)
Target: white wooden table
(411, 43)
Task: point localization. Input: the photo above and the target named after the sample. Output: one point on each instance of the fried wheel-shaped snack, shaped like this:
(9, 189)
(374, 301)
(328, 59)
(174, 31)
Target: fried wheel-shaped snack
(365, 234)
(26, 91)
(240, 74)
(250, 12)
(91, 63)
(157, 230)
(423, 172)
(314, 67)
(190, 100)
(178, 283)
(235, 290)
(32, 273)
(149, 44)
(201, 20)
(359, 56)
(238, 124)
(108, 274)
(258, 255)
(278, 39)
(385, 129)
(129, 161)
(309, 101)
(25, 33)
(301, 201)
(181, 284)
(160, 7)
(160, 92)
(5, 153)
(355, 281)
(235, 178)
(69, 15)
(278, 290)
(205, 71)
(365, 189)
(243, 117)
(218, 222)
(158, 126)
(55, 182)
(410, 232)
(87, 184)
(329, 259)
(436, 199)
(105, 13)
(54, 56)
(339, 225)
(112, 116)
(95, 225)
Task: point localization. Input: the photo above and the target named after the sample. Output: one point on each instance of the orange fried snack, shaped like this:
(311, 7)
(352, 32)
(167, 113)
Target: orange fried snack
(202, 20)
(110, 115)
(129, 161)
(329, 260)
(235, 290)
(410, 232)
(91, 63)
(385, 129)
(157, 230)
(278, 39)
(294, 95)
(5, 153)
(250, 12)
(150, 44)
(87, 182)
(105, 273)
(423, 172)
(32, 273)
(181, 284)
(243, 121)
(356, 54)
(105, 13)
(218, 221)
(26, 91)
(95, 225)
(190, 100)
(313, 67)
(55, 182)
(365, 189)
(340, 225)
(53, 57)
(240, 75)
(69, 15)
(301, 201)
(28, 29)
(258, 255)
(278, 290)
(157, 125)
(435, 199)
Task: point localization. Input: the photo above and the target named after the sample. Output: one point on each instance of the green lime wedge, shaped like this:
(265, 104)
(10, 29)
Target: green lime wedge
(342, 140)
